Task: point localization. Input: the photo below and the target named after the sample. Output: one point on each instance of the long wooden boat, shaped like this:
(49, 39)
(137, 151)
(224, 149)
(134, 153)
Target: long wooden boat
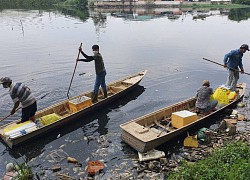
(63, 112)
(149, 131)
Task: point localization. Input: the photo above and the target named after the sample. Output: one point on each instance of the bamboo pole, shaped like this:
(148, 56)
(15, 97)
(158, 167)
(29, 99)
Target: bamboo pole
(224, 66)
(74, 71)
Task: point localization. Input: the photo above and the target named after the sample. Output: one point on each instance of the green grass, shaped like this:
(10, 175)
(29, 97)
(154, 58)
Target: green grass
(24, 171)
(229, 163)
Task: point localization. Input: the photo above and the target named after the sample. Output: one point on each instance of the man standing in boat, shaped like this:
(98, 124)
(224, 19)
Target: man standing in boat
(203, 102)
(20, 93)
(232, 61)
(99, 69)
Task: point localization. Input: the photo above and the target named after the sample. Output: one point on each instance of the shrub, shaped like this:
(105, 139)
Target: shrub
(230, 162)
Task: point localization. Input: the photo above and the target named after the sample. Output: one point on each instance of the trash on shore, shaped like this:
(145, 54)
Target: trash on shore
(240, 105)
(231, 121)
(151, 155)
(94, 167)
(65, 176)
(241, 117)
(191, 141)
(10, 172)
(56, 168)
(231, 129)
(229, 126)
(204, 135)
(71, 160)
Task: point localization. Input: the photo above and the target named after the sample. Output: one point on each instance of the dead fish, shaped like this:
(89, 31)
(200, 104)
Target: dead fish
(62, 146)
(81, 74)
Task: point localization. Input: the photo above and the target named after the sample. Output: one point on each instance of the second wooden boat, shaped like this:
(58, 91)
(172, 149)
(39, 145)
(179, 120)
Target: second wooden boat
(151, 130)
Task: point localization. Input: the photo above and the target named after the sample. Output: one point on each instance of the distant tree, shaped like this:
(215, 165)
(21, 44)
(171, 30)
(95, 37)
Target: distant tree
(81, 4)
(246, 2)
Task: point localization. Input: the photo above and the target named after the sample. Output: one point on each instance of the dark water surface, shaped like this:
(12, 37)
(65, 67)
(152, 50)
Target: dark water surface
(40, 47)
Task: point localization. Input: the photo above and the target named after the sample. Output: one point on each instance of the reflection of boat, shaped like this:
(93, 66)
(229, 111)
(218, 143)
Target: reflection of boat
(151, 130)
(120, 14)
(65, 111)
(201, 14)
(147, 14)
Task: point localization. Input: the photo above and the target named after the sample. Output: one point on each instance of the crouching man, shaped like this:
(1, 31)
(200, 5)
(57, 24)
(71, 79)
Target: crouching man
(203, 102)
(20, 93)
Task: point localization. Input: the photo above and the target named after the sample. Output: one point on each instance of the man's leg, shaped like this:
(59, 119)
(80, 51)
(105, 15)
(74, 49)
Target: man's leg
(25, 115)
(103, 84)
(96, 89)
(33, 112)
(230, 78)
(29, 112)
(235, 80)
(213, 104)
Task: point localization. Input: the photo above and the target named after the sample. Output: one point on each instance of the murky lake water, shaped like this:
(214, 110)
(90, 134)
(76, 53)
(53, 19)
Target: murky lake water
(40, 48)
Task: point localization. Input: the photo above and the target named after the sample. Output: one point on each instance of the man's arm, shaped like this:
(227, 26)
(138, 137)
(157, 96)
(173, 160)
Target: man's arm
(241, 66)
(88, 58)
(15, 107)
(226, 57)
(211, 91)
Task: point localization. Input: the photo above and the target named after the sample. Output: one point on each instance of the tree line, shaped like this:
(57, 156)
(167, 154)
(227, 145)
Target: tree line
(245, 2)
(79, 4)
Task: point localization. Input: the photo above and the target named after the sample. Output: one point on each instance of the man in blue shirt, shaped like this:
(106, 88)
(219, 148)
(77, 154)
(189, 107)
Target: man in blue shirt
(232, 61)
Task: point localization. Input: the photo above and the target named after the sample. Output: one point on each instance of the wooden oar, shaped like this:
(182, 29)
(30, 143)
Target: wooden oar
(9, 115)
(223, 65)
(74, 71)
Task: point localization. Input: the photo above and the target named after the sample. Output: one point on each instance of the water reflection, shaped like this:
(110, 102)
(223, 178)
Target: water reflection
(82, 14)
(146, 14)
(93, 124)
(239, 14)
(100, 21)
(47, 5)
(129, 12)
(26, 4)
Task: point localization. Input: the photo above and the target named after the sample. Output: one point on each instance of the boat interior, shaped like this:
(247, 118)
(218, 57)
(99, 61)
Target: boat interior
(163, 121)
(159, 122)
(70, 106)
(82, 101)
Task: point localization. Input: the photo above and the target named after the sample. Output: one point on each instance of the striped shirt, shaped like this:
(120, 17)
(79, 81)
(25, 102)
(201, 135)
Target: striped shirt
(20, 92)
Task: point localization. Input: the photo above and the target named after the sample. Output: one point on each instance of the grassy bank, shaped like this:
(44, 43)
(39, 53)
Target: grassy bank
(229, 162)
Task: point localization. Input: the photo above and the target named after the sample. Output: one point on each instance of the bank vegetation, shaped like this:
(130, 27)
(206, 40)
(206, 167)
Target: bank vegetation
(229, 162)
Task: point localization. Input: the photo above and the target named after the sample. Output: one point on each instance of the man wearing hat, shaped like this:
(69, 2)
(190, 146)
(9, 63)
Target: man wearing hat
(99, 69)
(20, 93)
(203, 103)
(232, 61)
